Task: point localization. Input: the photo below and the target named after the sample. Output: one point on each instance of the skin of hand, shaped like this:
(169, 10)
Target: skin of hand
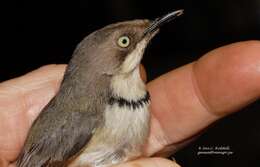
(230, 74)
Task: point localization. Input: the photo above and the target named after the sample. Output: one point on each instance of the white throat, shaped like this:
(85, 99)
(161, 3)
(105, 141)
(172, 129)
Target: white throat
(129, 87)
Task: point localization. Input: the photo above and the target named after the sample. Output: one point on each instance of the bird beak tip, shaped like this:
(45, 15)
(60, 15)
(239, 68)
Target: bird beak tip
(157, 23)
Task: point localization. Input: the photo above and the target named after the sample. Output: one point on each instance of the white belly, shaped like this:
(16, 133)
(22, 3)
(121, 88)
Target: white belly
(120, 139)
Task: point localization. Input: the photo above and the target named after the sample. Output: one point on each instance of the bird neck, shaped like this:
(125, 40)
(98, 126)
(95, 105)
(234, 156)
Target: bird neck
(128, 86)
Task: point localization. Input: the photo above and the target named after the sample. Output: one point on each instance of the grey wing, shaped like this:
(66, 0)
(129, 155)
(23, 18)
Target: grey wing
(56, 136)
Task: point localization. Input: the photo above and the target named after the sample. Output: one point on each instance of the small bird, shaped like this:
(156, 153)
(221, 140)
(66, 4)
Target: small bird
(100, 115)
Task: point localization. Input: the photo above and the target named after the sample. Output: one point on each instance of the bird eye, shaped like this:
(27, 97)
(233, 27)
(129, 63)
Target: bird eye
(123, 41)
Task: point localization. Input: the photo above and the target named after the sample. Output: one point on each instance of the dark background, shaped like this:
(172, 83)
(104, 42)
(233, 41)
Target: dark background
(42, 32)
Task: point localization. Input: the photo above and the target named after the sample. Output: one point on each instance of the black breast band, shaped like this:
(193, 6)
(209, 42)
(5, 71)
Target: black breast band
(130, 103)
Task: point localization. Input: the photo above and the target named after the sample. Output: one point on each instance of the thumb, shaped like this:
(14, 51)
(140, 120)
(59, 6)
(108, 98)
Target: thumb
(150, 162)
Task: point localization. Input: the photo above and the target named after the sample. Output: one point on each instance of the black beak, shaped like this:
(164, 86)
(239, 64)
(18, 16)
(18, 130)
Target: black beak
(157, 23)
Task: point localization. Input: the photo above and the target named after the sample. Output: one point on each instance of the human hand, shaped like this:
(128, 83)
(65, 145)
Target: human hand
(183, 100)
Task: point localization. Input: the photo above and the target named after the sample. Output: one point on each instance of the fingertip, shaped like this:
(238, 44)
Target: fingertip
(225, 69)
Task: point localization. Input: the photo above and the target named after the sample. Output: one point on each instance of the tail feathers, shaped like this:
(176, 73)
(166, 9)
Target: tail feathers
(30, 157)
(26, 160)
(39, 162)
(32, 160)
